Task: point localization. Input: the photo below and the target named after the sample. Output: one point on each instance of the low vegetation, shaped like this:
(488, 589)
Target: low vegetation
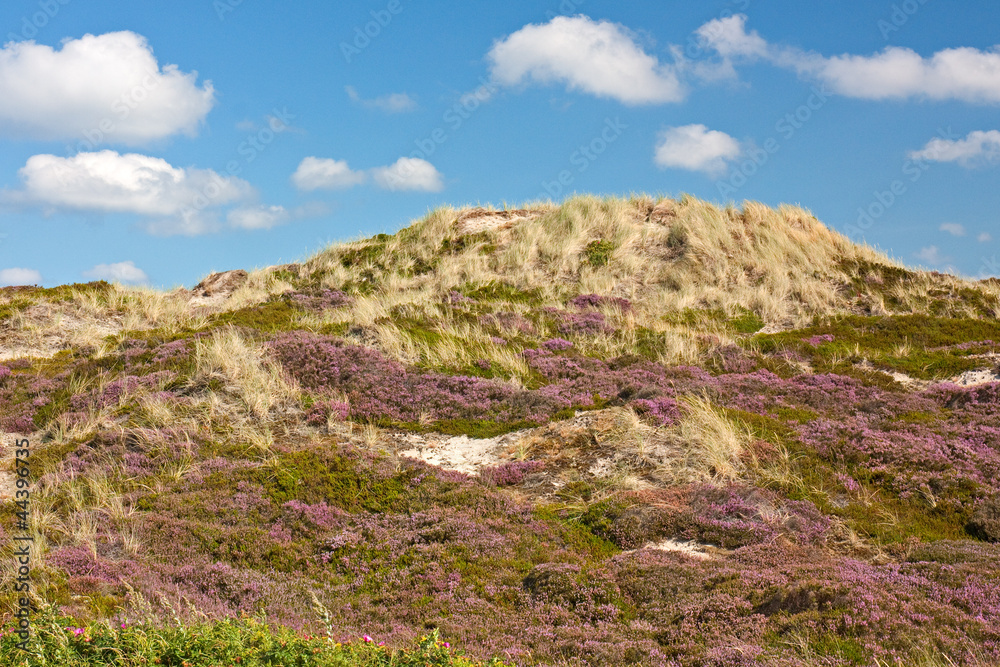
(678, 435)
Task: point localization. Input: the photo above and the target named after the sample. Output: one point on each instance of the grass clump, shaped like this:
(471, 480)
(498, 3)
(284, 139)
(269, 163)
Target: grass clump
(238, 366)
(922, 346)
(501, 291)
(270, 317)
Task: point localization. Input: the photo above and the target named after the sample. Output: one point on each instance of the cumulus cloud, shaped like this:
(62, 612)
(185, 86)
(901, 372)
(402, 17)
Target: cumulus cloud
(729, 38)
(257, 217)
(19, 276)
(932, 255)
(130, 183)
(392, 103)
(315, 173)
(978, 148)
(176, 200)
(984, 237)
(97, 89)
(405, 174)
(953, 228)
(120, 272)
(696, 148)
(962, 73)
(409, 173)
(596, 57)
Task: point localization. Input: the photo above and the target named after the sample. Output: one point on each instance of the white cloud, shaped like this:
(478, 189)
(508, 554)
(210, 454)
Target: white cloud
(599, 58)
(190, 222)
(696, 148)
(97, 89)
(130, 183)
(409, 173)
(932, 255)
(953, 228)
(121, 272)
(984, 237)
(392, 103)
(257, 217)
(18, 276)
(178, 201)
(405, 174)
(963, 73)
(323, 173)
(977, 148)
(728, 36)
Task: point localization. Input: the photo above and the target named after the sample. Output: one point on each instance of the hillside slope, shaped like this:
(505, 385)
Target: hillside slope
(608, 432)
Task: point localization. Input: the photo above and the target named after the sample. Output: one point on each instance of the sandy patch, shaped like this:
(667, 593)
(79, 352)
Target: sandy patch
(479, 219)
(772, 328)
(216, 288)
(906, 380)
(690, 549)
(460, 452)
(975, 378)
(50, 331)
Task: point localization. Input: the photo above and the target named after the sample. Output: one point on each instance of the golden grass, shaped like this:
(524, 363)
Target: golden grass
(667, 255)
(781, 264)
(240, 365)
(715, 445)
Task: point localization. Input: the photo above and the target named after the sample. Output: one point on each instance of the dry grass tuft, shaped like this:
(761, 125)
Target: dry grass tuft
(715, 446)
(240, 365)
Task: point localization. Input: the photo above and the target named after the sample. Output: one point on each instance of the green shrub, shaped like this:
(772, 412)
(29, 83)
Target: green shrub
(248, 642)
(599, 252)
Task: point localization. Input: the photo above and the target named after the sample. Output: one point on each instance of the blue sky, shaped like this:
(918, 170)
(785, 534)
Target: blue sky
(153, 143)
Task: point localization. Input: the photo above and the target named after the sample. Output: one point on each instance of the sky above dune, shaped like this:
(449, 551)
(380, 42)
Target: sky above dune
(152, 143)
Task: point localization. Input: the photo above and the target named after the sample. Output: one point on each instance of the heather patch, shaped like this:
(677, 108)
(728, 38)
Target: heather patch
(381, 390)
(599, 301)
(509, 474)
